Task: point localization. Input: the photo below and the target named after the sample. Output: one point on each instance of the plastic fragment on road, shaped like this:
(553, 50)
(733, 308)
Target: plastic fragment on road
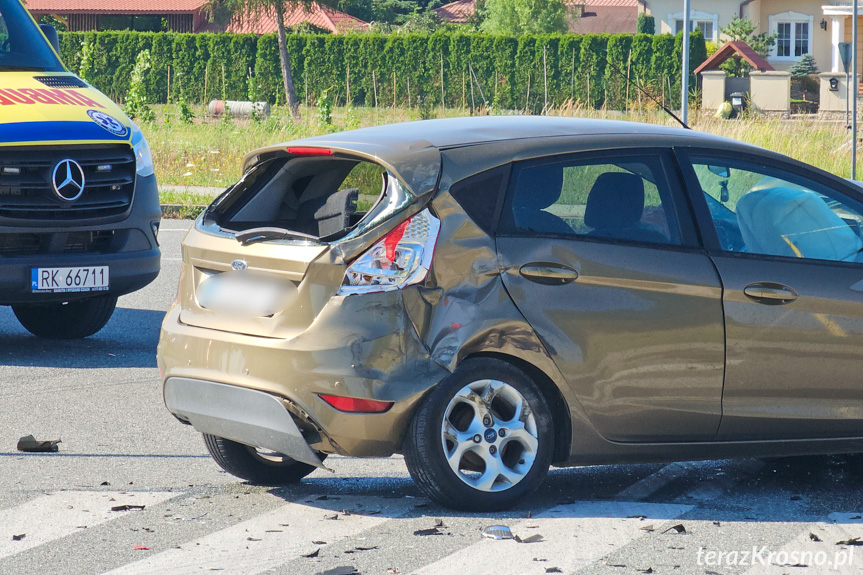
(497, 532)
(128, 507)
(342, 570)
(19, 537)
(427, 532)
(140, 548)
(30, 444)
(679, 528)
(537, 538)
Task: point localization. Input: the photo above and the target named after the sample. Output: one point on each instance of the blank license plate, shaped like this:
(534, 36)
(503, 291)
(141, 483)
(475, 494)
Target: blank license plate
(61, 280)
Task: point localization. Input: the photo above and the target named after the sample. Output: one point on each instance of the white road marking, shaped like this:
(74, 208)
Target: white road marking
(649, 485)
(57, 515)
(574, 535)
(269, 540)
(825, 556)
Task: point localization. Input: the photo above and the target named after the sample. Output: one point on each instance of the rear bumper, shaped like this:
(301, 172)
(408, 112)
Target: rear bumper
(240, 414)
(351, 350)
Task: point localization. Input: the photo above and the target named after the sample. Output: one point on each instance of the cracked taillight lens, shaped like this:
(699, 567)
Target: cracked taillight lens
(401, 258)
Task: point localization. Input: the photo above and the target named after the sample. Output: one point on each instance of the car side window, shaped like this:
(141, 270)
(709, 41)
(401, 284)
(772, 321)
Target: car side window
(615, 198)
(761, 210)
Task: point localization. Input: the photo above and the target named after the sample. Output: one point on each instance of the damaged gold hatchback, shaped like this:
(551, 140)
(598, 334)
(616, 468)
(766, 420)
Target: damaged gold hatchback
(492, 296)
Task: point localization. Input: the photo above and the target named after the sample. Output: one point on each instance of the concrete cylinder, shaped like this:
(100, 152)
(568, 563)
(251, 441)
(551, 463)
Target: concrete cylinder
(239, 109)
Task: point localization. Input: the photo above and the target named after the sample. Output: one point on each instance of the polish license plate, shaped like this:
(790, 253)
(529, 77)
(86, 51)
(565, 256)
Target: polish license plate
(64, 280)
(243, 294)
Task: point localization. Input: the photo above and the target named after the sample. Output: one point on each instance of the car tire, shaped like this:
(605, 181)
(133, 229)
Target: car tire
(454, 458)
(66, 320)
(255, 466)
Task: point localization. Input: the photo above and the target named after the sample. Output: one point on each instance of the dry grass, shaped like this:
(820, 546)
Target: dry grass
(209, 152)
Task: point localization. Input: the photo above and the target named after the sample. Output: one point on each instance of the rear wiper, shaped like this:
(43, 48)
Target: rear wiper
(256, 235)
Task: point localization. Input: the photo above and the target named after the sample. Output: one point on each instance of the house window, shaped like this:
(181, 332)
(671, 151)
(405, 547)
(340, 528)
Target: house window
(793, 35)
(706, 27)
(705, 21)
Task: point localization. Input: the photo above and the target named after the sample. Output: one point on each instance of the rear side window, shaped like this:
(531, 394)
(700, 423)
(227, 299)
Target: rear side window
(480, 195)
(619, 198)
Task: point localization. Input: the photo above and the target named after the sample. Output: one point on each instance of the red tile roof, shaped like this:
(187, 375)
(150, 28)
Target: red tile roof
(610, 19)
(458, 12)
(332, 20)
(612, 16)
(114, 6)
(731, 50)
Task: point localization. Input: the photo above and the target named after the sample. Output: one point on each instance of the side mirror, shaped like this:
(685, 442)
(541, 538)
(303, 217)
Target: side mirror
(52, 36)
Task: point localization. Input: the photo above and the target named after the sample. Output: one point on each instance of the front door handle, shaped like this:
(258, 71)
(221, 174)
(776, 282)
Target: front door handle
(548, 273)
(770, 293)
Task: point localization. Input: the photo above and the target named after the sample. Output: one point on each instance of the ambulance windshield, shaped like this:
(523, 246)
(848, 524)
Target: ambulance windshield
(22, 45)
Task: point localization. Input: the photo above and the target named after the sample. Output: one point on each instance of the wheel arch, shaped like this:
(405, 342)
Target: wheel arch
(561, 421)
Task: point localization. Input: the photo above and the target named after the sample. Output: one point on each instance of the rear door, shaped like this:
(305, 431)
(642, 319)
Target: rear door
(787, 243)
(600, 255)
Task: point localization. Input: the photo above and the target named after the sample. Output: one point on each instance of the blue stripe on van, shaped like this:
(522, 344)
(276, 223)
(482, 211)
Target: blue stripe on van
(56, 131)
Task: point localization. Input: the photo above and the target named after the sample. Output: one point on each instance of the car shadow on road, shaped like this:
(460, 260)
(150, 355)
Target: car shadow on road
(129, 340)
(779, 490)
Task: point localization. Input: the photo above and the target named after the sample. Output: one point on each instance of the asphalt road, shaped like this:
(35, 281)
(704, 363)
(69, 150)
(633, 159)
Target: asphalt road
(102, 397)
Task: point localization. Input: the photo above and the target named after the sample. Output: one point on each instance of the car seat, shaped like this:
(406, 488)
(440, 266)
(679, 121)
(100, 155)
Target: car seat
(537, 189)
(615, 207)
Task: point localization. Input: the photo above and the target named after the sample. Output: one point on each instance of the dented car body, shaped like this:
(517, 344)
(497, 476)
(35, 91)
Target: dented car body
(523, 292)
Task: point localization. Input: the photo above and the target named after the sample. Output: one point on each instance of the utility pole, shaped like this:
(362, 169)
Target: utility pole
(854, 93)
(684, 96)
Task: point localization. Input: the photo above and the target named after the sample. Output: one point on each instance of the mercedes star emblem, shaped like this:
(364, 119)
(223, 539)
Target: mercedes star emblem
(68, 180)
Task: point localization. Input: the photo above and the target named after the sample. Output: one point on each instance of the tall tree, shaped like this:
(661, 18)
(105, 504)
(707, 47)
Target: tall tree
(250, 10)
(517, 17)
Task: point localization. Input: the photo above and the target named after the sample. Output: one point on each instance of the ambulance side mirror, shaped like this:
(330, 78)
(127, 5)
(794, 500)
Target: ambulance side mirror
(52, 36)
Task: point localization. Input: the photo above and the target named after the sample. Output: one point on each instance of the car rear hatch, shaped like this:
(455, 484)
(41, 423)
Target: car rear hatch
(271, 251)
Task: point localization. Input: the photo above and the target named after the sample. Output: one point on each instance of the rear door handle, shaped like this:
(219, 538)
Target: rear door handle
(548, 273)
(770, 293)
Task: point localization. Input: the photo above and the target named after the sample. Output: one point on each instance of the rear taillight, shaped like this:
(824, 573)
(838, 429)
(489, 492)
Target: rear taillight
(354, 405)
(401, 258)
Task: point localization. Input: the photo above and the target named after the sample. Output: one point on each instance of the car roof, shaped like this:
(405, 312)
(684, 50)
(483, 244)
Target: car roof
(454, 132)
(412, 150)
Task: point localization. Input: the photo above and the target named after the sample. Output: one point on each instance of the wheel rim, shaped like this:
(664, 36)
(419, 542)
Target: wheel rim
(489, 435)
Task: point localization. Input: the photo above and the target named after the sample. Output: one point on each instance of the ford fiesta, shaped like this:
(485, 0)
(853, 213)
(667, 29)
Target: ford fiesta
(492, 296)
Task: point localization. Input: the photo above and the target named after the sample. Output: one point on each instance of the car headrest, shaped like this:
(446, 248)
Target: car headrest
(791, 222)
(615, 201)
(538, 188)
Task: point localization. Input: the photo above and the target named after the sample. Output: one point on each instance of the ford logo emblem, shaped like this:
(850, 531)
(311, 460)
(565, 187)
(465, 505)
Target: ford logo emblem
(239, 265)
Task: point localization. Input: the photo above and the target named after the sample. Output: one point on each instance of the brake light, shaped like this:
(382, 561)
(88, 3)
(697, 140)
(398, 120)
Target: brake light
(354, 405)
(309, 151)
(400, 259)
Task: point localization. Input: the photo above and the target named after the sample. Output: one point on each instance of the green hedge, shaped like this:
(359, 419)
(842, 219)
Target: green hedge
(510, 72)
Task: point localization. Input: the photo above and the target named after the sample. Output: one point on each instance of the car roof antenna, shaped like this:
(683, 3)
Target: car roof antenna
(643, 91)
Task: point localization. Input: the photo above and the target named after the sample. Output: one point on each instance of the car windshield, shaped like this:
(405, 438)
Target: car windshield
(22, 46)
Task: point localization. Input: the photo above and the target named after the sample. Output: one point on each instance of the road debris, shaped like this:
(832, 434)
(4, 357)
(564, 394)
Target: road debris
(343, 570)
(140, 548)
(536, 538)
(813, 537)
(19, 537)
(313, 554)
(497, 532)
(30, 444)
(427, 532)
(679, 528)
(854, 542)
(128, 507)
